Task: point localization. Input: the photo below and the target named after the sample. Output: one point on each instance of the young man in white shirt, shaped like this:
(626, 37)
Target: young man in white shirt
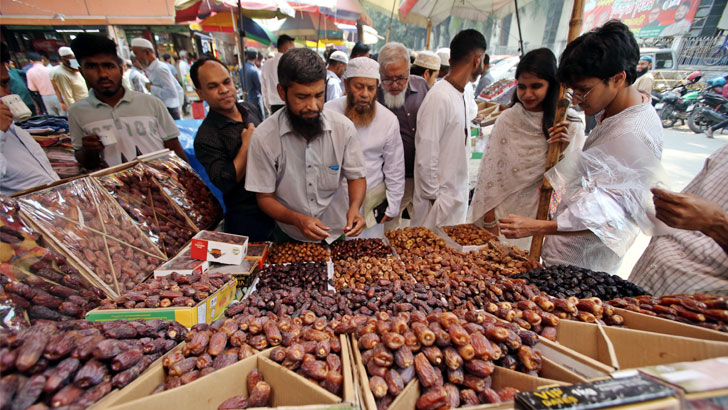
(114, 125)
(269, 75)
(381, 144)
(335, 68)
(441, 156)
(621, 156)
(162, 83)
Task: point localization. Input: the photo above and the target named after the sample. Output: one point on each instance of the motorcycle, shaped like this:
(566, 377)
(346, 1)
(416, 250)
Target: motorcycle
(676, 104)
(711, 110)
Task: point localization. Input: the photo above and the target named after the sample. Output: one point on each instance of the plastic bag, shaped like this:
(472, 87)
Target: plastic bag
(35, 280)
(144, 201)
(186, 188)
(609, 195)
(94, 229)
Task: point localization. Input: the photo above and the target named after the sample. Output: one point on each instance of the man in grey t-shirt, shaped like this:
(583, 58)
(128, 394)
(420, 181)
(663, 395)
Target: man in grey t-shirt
(114, 125)
(299, 155)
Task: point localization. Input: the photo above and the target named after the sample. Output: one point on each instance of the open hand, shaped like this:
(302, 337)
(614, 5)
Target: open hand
(354, 223)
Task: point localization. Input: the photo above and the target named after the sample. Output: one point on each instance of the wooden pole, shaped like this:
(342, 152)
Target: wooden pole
(391, 17)
(429, 32)
(554, 152)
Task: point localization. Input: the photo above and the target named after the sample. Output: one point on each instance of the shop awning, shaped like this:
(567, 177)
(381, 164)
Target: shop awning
(192, 10)
(87, 12)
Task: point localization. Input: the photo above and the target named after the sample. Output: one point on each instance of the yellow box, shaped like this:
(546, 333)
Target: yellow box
(207, 311)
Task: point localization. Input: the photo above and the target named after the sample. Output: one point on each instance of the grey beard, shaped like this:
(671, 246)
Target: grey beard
(394, 102)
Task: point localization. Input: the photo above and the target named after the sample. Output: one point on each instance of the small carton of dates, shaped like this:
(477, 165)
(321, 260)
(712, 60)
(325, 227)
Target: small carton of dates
(182, 264)
(219, 247)
(258, 252)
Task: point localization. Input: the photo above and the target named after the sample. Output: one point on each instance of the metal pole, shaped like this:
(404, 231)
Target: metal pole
(241, 39)
(518, 23)
(318, 31)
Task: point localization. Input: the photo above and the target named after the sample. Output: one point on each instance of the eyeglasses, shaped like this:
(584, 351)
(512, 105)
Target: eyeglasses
(392, 80)
(583, 96)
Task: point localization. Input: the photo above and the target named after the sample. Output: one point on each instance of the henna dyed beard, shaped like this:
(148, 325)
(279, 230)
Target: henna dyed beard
(361, 117)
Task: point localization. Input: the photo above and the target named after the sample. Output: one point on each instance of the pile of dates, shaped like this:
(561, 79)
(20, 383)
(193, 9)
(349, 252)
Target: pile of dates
(140, 196)
(452, 355)
(35, 279)
(171, 290)
(76, 363)
(563, 281)
(359, 248)
(186, 188)
(290, 252)
(258, 394)
(468, 234)
(307, 275)
(213, 347)
(360, 273)
(405, 240)
(310, 346)
(222, 237)
(46, 300)
(383, 295)
(708, 311)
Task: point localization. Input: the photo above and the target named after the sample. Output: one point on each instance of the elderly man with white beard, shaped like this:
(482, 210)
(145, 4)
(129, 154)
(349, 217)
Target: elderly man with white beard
(381, 144)
(402, 93)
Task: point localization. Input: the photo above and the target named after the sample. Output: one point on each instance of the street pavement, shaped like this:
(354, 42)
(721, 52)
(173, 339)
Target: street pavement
(683, 156)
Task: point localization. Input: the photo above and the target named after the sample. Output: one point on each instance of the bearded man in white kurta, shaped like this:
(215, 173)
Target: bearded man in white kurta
(441, 156)
(381, 144)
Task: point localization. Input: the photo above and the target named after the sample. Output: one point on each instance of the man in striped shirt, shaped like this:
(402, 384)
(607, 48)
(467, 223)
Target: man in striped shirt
(695, 259)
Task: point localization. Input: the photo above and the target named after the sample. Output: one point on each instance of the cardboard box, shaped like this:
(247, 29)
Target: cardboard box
(639, 321)
(243, 273)
(635, 348)
(207, 311)
(258, 251)
(701, 385)
(439, 231)
(219, 247)
(407, 399)
(182, 264)
(287, 388)
(582, 348)
(126, 393)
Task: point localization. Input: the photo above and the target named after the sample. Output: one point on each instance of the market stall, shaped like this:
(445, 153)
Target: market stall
(178, 314)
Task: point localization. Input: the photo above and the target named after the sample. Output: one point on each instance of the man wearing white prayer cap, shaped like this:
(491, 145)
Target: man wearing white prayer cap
(162, 83)
(68, 83)
(444, 54)
(378, 133)
(426, 65)
(336, 65)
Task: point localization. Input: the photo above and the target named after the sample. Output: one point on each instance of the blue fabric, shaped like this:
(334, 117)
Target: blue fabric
(188, 130)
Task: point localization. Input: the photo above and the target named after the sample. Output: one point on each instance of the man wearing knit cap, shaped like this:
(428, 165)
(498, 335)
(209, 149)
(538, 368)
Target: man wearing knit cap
(444, 54)
(381, 144)
(336, 66)
(426, 65)
(162, 83)
(68, 82)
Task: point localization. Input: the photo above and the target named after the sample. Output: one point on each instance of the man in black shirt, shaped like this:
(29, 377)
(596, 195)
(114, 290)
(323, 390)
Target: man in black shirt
(221, 146)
